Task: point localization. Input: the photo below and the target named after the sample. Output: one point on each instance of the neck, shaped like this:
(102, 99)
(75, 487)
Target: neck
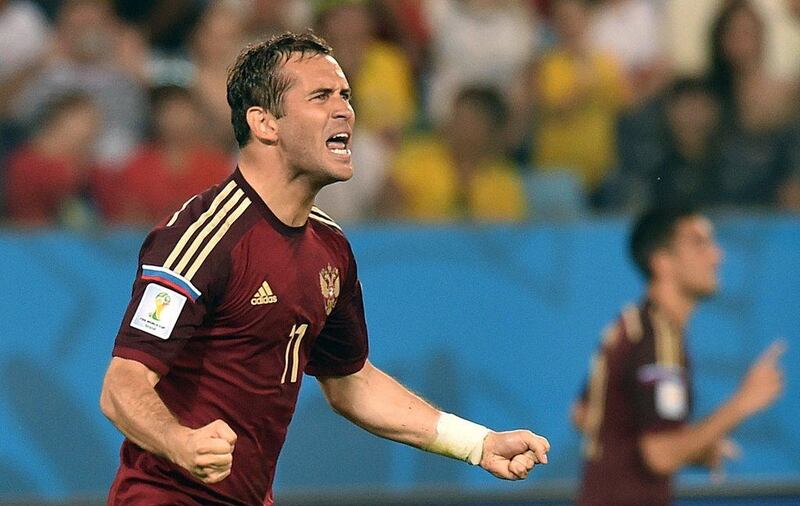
(289, 197)
(677, 305)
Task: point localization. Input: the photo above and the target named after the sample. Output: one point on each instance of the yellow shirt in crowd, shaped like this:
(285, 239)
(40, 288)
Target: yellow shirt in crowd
(577, 114)
(425, 173)
(384, 89)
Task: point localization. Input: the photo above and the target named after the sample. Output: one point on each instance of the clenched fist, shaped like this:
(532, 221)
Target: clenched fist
(511, 455)
(206, 452)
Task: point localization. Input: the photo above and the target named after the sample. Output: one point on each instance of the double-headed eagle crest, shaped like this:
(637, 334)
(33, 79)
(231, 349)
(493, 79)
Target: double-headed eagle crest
(329, 283)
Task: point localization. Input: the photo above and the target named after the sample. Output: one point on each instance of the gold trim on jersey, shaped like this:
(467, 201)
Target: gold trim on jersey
(188, 245)
(211, 225)
(320, 216)
(218, 235)
(667, 341)
(197, 224)
(296, 357)
(632, 319)
(611, 334)
(287, 353)
(179, 211)
(293, 350)
(595, 406)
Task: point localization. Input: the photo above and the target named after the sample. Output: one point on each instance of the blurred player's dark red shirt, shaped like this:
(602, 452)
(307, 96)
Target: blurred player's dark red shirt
(230, 306)
(640, 383)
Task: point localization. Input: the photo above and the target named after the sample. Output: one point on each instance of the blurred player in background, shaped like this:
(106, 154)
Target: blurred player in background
(635, 410)
(246, 287)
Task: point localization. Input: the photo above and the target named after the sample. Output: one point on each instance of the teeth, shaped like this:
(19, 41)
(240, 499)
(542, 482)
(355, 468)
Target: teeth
(340, 151)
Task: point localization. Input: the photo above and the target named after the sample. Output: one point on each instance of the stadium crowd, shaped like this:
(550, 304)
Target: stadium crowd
(115, 112)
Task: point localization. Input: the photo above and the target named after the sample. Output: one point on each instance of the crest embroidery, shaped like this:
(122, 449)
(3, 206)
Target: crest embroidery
(329, 283)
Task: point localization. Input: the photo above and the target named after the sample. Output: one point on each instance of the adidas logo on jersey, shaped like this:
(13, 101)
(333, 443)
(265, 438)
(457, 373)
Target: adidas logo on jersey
(264, 295)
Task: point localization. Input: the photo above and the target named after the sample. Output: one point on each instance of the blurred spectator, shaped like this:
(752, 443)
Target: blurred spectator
(541, 7)
(632, 31)
(48, 178)
(404, 22)
(378, 71)
(177, 163)
(738, 72)
(756, 162)
(689, 21)
(24, 35)
(459, 171)
(216, 41)
(165, 24)
(757, 168)
(95, 54)
(476, 42)
(687, 176)
(578, 94)
(594, 101)
(270, 17)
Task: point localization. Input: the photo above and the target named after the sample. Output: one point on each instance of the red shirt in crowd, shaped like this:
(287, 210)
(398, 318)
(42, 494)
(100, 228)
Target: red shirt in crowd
(38, 186)
(149, 187)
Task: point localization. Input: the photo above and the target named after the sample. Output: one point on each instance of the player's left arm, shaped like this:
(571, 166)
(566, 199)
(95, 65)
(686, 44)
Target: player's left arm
(666, 451)
(378, 403)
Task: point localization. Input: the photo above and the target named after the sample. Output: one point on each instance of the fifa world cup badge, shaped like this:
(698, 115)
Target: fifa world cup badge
(162, 301)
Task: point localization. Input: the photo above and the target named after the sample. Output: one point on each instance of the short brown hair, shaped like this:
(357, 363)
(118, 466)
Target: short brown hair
(255, 78)
(655, 230)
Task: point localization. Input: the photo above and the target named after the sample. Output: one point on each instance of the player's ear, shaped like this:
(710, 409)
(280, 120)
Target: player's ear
(263, 125)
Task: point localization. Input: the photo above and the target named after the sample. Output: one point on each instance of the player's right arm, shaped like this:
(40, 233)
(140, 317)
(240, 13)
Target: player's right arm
(667, 451)
(375, 401)
(172, 293)
(129, 400)
(378, 403)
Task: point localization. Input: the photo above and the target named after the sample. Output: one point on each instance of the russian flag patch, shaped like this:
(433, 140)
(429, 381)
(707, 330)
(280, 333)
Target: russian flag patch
(170, 279)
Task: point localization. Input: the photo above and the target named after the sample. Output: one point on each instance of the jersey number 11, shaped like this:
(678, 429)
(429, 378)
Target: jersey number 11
(293, 352)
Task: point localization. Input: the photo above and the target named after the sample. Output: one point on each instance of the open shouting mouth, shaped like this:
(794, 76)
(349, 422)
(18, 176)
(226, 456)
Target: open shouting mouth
(339, 144)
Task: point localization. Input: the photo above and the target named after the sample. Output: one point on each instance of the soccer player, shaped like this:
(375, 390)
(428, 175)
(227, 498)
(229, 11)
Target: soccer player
(246, 287)
(635, 410)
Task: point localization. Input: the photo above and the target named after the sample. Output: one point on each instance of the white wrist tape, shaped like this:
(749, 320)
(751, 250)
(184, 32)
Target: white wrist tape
(459, 439)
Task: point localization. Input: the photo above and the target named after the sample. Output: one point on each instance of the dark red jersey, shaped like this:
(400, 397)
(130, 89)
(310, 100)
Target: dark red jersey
(230, 306)
(640, 382)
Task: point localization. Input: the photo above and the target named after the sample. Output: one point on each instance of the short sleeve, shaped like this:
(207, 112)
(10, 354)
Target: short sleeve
(661, 390)
(342, 346)
(172, 294)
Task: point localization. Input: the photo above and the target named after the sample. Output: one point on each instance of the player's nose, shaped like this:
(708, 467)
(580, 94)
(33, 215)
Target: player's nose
(343, 110)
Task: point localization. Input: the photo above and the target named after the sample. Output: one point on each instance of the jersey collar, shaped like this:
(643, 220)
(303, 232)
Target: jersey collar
(264, 209)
